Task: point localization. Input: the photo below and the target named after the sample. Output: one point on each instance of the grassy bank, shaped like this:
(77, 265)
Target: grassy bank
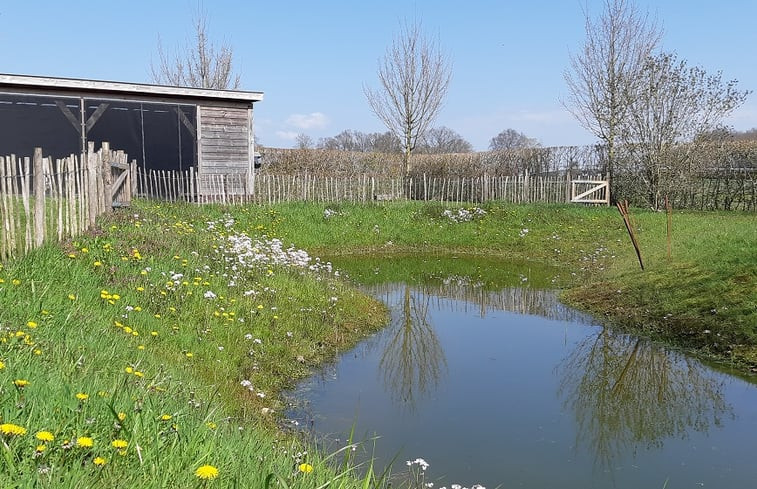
(151, 352)
(703, 297)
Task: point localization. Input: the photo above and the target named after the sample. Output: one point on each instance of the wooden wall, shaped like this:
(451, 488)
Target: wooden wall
(224, 142)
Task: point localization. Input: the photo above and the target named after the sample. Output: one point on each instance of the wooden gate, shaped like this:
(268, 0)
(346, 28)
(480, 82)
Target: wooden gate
(122, 179)
(590, 191)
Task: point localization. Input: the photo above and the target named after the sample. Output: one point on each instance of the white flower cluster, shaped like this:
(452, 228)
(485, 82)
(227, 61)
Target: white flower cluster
(264, 252)
(418, 461)
(464, 215)
(329, 213)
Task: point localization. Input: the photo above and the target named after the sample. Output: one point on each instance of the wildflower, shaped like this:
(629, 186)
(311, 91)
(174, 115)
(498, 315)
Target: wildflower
(2, 365)
(121, 416)
(206, 472)
(305, 468)
(39, 449)
(119, 444)
(71, 297)
(85, 442)
(21, 383)
(82, 396)
(189, 354)
(31, 324)
(12, 429)
(16, 281)
(165, 417)
(44, 436)
(211, 425)
(98, 264)
(99, 461)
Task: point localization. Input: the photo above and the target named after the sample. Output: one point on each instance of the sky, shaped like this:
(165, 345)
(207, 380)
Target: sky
(311, 59)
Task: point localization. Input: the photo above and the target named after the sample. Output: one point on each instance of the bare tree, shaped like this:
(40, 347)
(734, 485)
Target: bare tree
(303, 141)
(671, 107)
(199, 64)
(442, 140)
(603, 72)
(512, 139)
(414, 76)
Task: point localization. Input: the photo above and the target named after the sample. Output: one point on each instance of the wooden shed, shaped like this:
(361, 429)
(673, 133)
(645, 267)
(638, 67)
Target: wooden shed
(163, 128)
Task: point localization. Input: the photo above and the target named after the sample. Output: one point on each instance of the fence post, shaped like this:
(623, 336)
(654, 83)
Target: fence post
(107, 179)
(39, 198)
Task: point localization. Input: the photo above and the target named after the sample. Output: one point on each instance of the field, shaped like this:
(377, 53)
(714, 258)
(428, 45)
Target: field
(151, 351)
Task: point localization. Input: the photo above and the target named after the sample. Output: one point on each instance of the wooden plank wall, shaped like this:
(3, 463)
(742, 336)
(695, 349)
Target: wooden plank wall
(224, 143)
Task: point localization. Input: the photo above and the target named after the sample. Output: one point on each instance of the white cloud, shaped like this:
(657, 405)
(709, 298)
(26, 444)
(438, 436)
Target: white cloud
(314, 120)
(288, 135)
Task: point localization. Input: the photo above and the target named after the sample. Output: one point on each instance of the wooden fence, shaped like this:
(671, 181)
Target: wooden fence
(45, 199)
(270, 189)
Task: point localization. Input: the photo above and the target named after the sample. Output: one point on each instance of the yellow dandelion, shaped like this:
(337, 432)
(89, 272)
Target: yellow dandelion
(165, 417)
(12, 429)
(31, 324)
(2, 365)
(139, 374)
(211, 425)
(85, 442)
(206, 472)
(82, 396)
(16, 281)
(40, 448)
(140, 289)
(189, 354)
(98, 264)
(305, 468)
(129, 370)
(121, 416)
(119, 444)
(153, 333)
(21, 383)
(71, 297)
(99, 461)
(37, 351)
(44, 436)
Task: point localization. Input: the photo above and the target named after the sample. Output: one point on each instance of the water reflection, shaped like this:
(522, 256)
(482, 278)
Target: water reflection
(627, 392)
(413, 361)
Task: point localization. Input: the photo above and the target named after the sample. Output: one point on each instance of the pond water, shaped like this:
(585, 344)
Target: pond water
(485, 375)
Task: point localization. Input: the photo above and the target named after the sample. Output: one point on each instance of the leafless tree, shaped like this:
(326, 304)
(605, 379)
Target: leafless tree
(512, 139)
(443, 140)
(603, 72)
(414, 76)
(670, 107)
(303, 141)
(200, 64)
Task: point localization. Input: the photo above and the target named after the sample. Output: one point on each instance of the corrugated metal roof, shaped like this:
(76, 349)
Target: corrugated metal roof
(133, 89)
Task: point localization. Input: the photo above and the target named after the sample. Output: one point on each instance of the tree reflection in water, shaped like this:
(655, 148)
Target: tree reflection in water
(413, 362)
(627, 392)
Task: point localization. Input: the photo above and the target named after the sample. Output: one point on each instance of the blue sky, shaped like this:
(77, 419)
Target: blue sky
(312, 58)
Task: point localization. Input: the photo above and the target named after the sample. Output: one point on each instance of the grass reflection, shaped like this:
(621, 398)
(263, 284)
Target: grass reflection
(627, 393)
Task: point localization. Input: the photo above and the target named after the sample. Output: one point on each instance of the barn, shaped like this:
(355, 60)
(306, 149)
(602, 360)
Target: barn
(163, 128)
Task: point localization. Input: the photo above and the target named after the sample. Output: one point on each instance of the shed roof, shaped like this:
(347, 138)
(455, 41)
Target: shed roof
(74, 85)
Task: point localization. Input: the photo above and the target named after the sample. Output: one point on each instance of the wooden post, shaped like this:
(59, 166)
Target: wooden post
(669, 211)
(39, 198)
(623, 208)
(107, 205)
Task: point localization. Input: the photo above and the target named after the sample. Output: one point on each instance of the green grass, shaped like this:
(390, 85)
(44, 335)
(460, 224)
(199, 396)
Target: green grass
(145, 331)
(704, 297)
(160, 330)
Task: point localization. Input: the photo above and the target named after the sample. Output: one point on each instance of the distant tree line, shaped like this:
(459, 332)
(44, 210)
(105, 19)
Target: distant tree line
(437, 140)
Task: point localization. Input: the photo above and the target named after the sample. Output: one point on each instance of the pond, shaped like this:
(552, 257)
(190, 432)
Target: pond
(489, 379)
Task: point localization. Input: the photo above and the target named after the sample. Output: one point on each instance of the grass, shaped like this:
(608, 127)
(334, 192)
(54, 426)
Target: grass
(141, 352)
(156, 346)
(704, 297)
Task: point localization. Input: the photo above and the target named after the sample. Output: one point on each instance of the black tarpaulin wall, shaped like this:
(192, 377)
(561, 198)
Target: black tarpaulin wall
(160, 136)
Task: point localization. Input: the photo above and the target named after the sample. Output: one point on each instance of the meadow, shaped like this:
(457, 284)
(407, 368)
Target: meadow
(151, 351)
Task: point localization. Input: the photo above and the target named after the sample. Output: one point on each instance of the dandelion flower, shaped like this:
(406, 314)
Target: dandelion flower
(120, 444)
(165, 417)
(12, 429)
(305, 468)
(82, 396)
(45, 436)
(206, 472)
(99, 461)
(2, 365)
(21, 383)
(40, 448)
(121, 416)
(31, 324)
(85, 442)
